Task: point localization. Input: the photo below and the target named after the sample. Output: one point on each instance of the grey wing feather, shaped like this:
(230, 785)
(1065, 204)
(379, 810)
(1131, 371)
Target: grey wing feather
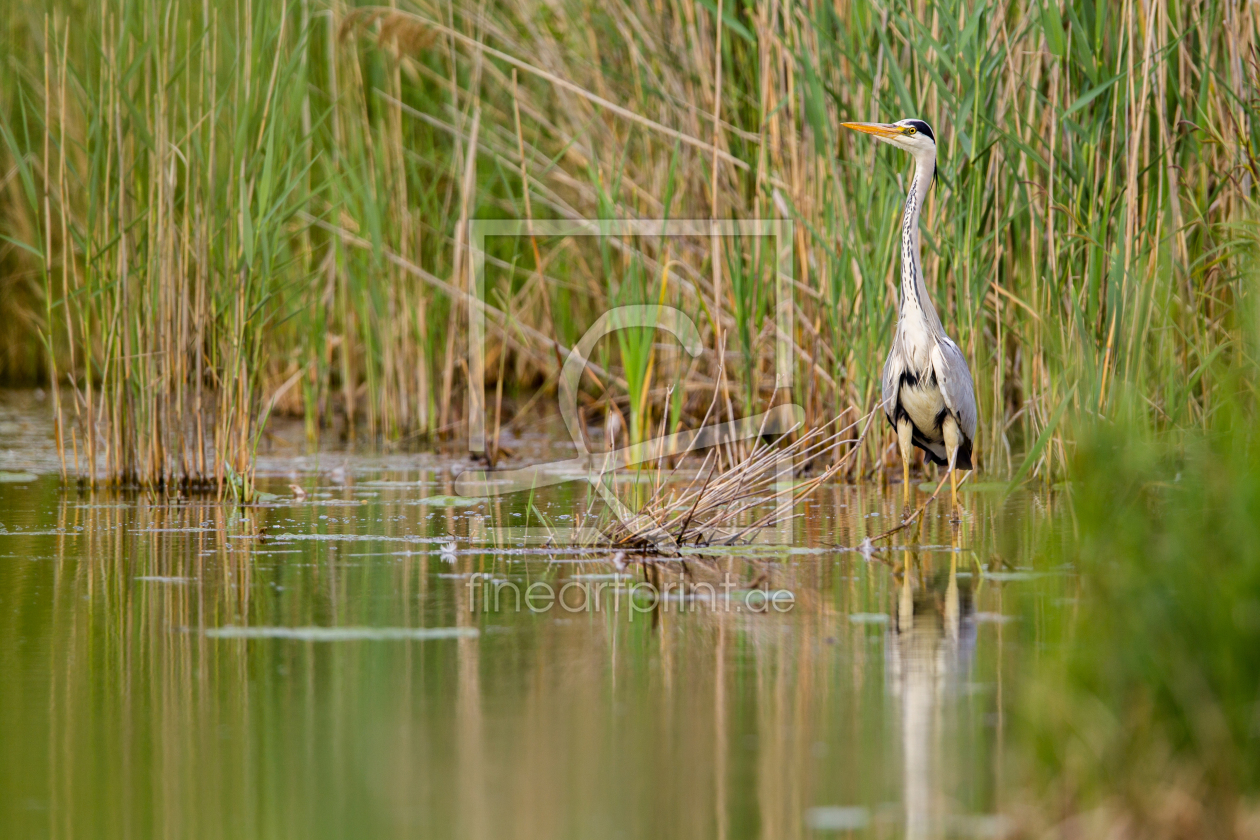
(955, 383)
(891, 379)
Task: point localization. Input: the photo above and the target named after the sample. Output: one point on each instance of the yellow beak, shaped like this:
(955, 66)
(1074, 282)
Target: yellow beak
(884, 131)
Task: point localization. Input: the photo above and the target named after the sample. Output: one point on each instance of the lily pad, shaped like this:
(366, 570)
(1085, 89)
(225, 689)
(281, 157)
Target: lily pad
(449, 501)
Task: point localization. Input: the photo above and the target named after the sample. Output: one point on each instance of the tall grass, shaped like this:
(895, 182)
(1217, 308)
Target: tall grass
(212, 213)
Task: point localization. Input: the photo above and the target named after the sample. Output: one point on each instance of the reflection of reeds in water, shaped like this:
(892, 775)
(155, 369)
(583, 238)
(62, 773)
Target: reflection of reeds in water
(701, 721)
(236, 738)
(156, 729)
(135, 685)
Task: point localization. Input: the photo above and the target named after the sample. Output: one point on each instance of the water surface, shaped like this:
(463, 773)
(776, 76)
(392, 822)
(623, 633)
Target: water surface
(334, 667)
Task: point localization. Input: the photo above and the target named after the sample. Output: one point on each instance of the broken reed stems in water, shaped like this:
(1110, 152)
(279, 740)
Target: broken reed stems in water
(732, 503)
(182, 191)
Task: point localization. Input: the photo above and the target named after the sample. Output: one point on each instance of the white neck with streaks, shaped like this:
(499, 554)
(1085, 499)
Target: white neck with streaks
(918, 318)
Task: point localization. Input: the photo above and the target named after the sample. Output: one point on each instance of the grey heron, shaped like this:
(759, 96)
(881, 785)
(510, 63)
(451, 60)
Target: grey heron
(928, 396)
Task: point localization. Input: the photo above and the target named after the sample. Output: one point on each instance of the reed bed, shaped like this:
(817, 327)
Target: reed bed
(211, 214)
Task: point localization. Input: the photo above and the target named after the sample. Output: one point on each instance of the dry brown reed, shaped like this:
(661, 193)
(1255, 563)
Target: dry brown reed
(735, 500)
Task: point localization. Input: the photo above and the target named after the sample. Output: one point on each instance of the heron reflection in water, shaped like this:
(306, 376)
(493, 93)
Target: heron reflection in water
(929, 656)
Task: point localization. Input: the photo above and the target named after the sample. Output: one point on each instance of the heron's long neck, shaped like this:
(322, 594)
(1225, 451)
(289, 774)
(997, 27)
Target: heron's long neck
(916, 305)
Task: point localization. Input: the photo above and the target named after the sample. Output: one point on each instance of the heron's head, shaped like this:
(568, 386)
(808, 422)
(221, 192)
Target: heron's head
(915, 136)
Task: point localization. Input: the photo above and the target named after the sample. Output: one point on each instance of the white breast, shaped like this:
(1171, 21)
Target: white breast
(924, 403)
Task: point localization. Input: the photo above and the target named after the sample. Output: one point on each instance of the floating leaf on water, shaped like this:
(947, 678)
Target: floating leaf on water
(838, 818)
(343, 634)
(357, 538)
(1001, 577)
(979, 825)
(16, 477)
(189, 530)
(449, 501)
(755, 550)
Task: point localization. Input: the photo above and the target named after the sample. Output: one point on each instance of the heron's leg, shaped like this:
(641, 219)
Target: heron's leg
(905, 603)
(905, 441)
(953, 440)
(953, 482)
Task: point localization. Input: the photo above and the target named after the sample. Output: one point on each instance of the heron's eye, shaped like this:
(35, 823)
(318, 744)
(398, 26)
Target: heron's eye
(911, 130)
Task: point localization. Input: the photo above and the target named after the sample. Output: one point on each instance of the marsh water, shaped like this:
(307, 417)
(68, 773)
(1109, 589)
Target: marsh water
(333, 666)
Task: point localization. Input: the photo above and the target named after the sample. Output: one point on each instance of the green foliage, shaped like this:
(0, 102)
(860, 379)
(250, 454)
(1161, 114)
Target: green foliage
(1153, 684)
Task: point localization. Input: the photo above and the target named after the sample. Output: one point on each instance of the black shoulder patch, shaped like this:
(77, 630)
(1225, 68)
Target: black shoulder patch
(924, 127)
